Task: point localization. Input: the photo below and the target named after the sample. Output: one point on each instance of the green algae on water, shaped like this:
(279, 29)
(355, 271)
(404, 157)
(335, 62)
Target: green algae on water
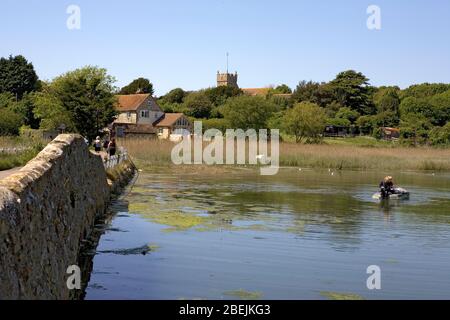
(244, 295)
(133, 251)
(391, 261)
(340, 296)
(176, 220)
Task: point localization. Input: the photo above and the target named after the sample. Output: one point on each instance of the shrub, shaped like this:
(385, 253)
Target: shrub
(305, 120)
(10, 122)
(247, 112)
(440, 135)
(198, 105)
(219, 124)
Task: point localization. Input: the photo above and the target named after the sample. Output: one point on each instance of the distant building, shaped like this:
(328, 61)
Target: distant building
(336, 131)
(231, 80)
(256, 91)
(173, 126)
(227, 79)
(263, 92)
(140, 115)
(390, 133)
(137, 115)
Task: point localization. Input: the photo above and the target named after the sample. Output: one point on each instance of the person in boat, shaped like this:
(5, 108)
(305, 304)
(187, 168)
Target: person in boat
(387, 187)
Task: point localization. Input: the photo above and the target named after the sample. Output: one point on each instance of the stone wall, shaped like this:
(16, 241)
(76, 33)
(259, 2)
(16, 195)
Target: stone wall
(47, 210)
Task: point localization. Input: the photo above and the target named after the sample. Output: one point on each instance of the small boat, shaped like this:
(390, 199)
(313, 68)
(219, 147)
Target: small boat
(400, 194)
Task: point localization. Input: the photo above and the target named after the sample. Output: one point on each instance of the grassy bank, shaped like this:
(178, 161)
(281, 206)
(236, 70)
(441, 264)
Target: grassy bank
(364, 158)
(16, 151)
(150, 153)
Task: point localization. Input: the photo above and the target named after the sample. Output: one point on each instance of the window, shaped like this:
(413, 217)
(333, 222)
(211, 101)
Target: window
(145, 114)
(160, 130)
(128, 115)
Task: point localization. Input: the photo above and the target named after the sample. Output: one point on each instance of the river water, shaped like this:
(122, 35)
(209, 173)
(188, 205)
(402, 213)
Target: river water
(302, 234)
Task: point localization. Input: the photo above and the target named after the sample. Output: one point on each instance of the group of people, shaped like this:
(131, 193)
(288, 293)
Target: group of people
(110, 146)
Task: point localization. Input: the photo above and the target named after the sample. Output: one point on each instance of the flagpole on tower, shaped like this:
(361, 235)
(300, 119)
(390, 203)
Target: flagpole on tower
(227, 61)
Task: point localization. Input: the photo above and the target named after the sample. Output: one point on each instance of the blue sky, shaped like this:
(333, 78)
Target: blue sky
(184, 43)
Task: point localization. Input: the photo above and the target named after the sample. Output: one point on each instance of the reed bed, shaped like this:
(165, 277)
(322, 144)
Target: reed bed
(364, 158)
(154, 152)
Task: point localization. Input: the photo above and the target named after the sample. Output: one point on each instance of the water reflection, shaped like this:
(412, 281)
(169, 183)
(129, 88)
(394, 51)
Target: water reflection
(290, 236)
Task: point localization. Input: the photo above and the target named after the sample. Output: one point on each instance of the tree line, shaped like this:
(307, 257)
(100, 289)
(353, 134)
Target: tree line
(83, 100)
(421, 112)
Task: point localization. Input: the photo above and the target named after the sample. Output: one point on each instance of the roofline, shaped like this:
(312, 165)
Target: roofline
(179, 115)
(134, 94)
(148, 95)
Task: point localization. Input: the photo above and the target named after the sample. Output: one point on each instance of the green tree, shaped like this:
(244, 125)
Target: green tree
(17, 76)
(332, 108)
(198, 105)
(25, 108)
(348, 114)
(219, 95)
(423, 107)
(366, 124)
(352, 90)
(175, 96)
(10, 122)
(140, 85)
(424, 90)
(22, 108)
(414, 129)
(339, 122)
(51, 112)
(441, 108)
(319, 93)
(440, 135)
(276, 120)
(305, 120)
(219, 124)
(282, 102)
(281, 89)
(386, 119)
(83, 98)
(7, 100)
(387, 99)
(412, 105)
(216, 112)
(248, 112)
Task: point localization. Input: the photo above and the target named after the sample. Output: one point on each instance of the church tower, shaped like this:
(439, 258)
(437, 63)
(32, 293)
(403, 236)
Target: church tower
(227, 79)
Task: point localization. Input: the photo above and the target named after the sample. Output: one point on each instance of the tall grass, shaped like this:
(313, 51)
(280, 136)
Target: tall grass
(150, 151)
(153, 152)
(17, 151)
(365, 158)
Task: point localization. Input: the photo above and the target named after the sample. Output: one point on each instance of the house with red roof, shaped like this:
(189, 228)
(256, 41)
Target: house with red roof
(173, 126)
(140, 115)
